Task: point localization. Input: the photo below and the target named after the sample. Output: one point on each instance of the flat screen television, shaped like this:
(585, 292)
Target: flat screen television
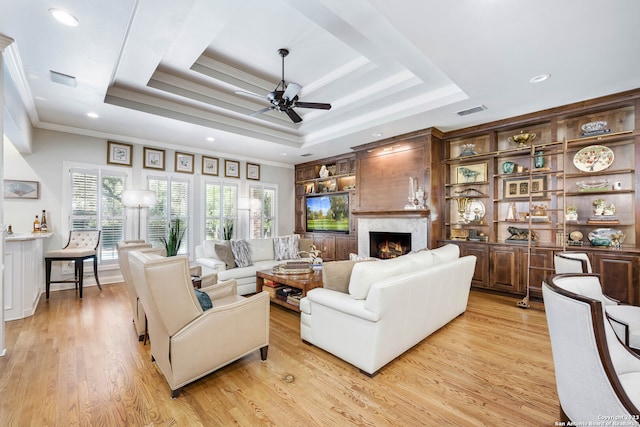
(328, 212)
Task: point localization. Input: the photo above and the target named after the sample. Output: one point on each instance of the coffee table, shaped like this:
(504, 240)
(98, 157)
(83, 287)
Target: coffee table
(304, 282)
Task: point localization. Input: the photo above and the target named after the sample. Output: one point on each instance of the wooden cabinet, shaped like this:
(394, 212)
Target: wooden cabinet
(504, 269)
(497, 181)
(618, 275)
(341, 179)
(481, 274)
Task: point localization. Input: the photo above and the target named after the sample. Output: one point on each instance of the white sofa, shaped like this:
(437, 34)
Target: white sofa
(390, 306)
(262, 255)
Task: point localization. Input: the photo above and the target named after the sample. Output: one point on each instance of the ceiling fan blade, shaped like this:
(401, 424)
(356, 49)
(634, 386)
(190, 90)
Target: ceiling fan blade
(264, 110)
(316, 105)
(252, 95)
(295, 118)
(291, 91)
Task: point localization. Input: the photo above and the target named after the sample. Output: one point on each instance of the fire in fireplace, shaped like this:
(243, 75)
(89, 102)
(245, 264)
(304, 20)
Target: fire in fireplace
(385, 245)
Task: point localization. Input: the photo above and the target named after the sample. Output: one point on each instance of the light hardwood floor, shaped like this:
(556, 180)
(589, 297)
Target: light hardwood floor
(80, 363)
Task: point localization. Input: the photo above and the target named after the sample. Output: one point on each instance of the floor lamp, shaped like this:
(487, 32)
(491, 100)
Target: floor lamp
(138, 199)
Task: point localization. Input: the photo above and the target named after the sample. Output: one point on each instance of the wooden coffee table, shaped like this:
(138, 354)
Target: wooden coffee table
(304, 282)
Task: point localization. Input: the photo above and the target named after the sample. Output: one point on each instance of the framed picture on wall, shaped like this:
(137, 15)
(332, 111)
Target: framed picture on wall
(18, 189)
(520, 188)
(184, 162)
(209, 166)
(153, 158)
(119, 153)
(468, 174)
(232, 169)
(253, 171)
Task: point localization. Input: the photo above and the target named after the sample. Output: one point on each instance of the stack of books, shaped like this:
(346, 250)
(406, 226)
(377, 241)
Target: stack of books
(271, 287)
(283, 293)
(294, 299)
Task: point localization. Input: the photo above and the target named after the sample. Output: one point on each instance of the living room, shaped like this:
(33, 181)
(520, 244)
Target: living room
(173, 112)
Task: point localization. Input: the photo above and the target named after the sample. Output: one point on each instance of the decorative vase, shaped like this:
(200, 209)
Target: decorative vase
(507, 167)
(538, 161)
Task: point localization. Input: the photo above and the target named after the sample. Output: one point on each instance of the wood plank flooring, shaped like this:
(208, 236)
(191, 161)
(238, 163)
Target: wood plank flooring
(79, 363)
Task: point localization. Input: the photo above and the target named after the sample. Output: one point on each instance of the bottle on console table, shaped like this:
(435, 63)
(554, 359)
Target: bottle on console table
(43, 223)
(36, 225)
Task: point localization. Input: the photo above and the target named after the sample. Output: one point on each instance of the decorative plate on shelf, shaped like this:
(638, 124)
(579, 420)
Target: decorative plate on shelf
(576, 236)
(602, 236)
(594, 158)
(475, 211)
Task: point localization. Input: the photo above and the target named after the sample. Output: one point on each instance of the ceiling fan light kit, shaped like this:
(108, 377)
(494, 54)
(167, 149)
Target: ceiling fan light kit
(284, 97)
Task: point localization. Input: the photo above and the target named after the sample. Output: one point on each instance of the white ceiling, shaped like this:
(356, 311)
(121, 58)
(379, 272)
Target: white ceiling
(165, 73)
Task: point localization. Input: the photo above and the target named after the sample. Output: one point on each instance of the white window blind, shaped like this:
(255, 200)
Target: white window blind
(221, 213)
(172, 204)
(262, 213)
(96, 205)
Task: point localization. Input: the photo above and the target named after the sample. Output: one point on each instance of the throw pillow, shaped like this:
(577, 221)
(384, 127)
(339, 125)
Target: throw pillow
(336, 275)
(240, 251)
(203, 299)
(224, 254)
(286, 247)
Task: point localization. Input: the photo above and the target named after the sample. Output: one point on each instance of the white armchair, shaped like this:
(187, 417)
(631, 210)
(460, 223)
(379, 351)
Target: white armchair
(188, 343)
(596, 376)
(571, 262)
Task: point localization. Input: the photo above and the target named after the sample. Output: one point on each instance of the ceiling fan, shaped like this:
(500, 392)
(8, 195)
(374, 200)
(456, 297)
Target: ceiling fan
(284, 97)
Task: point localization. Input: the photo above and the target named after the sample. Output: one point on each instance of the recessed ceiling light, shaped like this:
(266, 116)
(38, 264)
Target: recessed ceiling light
(283, 154)
(539, 78)
(377, 134)
(210, 139)
(64, 17)
(93, 115)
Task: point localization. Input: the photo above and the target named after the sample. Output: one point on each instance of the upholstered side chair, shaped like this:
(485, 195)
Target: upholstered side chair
(571, 262)
(595, 373)
(82, 245)
(188, 342)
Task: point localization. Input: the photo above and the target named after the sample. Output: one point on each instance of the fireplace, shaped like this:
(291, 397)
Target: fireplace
(384, 244)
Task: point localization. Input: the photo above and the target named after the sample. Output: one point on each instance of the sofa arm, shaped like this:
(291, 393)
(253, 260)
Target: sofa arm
(208, 280)
(222, 289)
(341, 302)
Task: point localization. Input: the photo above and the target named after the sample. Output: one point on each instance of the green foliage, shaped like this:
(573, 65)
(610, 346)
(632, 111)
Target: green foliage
(173, 242)
(227, 230)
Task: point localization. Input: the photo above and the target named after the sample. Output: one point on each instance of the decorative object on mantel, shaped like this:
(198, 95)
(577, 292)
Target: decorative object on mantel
(507, 167)
(575, 238)
(468, 150)
(594, 128)
(417, 195)
(522, 139)
(604, 236)
(324, 172)
(594, 158)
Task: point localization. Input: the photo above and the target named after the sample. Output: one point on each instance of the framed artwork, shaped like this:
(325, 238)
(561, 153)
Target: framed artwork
(16, 189)
(231, 169)
(253, 171)
(209, 166)
(119, 153)
(184, 162)
(518, 188)
(469, 174)
(153, 158)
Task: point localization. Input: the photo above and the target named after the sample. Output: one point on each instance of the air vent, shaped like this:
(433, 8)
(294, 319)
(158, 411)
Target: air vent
(63, 79)
(471, 110)
(306, 155)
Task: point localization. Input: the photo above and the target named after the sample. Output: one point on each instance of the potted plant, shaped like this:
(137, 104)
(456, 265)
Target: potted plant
(174, 240)
(227, 230)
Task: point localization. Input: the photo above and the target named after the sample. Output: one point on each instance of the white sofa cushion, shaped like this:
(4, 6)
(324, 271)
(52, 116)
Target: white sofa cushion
(210, 247)
(364, 274)
(446, 253)
(261, 249)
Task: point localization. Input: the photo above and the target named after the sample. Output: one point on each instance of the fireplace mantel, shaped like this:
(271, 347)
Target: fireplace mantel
(405, 213)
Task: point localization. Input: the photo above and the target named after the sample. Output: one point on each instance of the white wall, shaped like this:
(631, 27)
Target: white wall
(45, 165)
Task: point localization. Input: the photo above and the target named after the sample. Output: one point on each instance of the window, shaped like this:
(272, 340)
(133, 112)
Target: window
(262, 211)
(221, 214)
(172, 204)
(96, 205)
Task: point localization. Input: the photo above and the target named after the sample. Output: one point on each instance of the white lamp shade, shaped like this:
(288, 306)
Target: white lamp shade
(138, 198)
